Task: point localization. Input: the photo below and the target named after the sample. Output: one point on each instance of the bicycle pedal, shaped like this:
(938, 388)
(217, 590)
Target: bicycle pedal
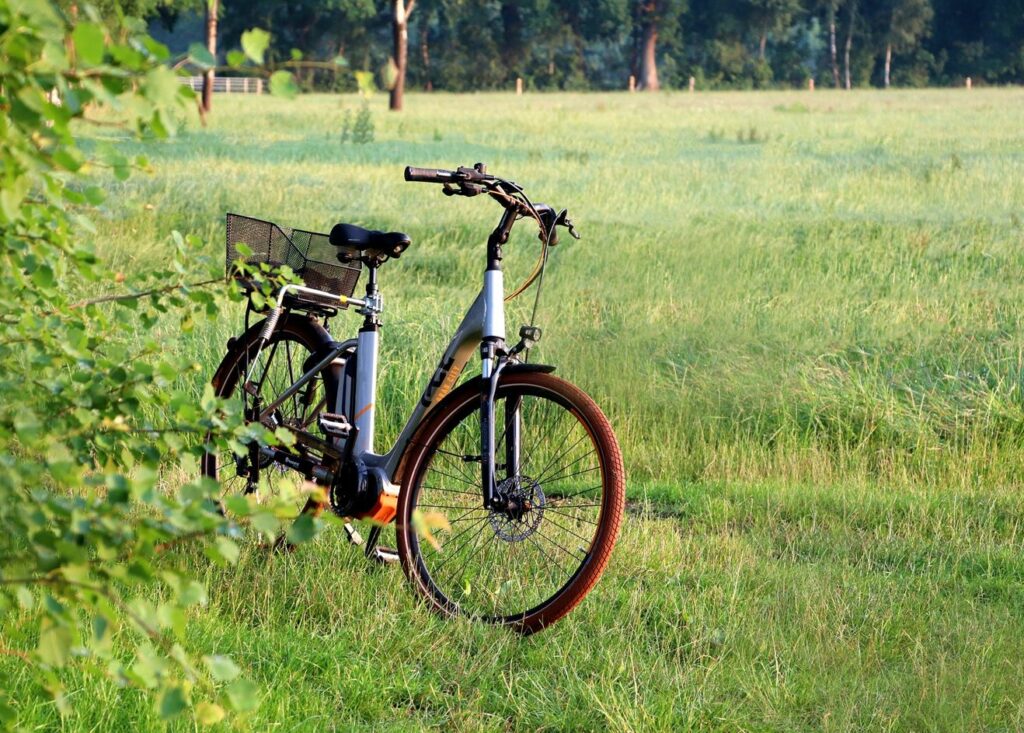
(337, 426)
(384, 555)
(353, 534)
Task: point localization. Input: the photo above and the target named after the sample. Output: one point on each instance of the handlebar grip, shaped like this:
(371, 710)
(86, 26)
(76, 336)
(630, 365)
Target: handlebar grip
(428, 175)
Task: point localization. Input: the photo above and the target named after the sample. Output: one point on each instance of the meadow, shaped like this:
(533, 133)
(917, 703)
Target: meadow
(802, 313)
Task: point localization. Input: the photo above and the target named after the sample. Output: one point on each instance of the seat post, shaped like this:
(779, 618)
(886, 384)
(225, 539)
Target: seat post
(371, 320)
(371, 282)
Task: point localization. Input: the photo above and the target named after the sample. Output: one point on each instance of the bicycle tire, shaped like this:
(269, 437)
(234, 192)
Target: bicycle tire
(293, 330)
(460, 408)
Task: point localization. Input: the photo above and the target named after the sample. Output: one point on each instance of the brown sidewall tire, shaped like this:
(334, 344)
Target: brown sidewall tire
(436, 425)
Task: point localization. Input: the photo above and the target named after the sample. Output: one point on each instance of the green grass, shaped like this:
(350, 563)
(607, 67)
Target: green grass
(802, 313)
(839, 298)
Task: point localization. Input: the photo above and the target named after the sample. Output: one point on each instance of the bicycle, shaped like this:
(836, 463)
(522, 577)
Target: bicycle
(524, 465)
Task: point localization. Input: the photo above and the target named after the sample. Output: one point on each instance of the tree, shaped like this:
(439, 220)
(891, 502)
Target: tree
(771, 16)
(905, 24)
(655, 19)
(316, 28)
(212, 9)
(851, 20)
(400, 37)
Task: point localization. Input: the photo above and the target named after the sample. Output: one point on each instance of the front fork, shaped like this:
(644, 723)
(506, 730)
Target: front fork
(511, 424)
(492, 367)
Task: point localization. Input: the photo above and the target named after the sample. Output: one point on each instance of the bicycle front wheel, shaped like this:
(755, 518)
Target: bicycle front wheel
(561, 486)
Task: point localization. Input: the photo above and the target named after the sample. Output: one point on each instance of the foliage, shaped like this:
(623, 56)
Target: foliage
(98, 433)
(462, 45)
(358, 129)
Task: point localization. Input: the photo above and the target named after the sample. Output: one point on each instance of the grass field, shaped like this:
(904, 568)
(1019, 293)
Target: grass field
(803, 314)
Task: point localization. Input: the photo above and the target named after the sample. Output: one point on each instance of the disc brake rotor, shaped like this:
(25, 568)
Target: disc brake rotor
(525, 502)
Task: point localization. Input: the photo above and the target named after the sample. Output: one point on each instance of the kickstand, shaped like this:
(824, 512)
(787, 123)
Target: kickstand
(382, 555)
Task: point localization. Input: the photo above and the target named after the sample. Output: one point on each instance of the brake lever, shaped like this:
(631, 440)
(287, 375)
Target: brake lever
(563, 220)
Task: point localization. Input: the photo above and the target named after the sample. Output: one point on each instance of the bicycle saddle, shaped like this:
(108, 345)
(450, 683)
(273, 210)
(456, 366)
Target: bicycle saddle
(390, 244)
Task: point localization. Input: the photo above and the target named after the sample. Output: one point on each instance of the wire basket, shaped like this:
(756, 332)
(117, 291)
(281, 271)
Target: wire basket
(310, 255)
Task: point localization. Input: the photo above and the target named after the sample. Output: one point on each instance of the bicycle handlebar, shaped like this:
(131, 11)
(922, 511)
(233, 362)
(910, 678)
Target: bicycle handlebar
(436, 175)
(428, 175)
(476, 180)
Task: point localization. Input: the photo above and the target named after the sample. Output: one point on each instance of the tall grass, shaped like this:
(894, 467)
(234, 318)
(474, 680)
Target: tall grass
(801, 313)
(803, 286)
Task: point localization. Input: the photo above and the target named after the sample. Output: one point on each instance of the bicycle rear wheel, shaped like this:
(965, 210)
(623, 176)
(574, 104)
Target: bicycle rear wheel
(532, 561)
(280, 363)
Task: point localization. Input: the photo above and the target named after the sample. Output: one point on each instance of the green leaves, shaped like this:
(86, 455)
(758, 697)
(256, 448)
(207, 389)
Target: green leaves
(55, 640)
(173, 702)
(99, 495)
(282, 84)
(11, 196)
(88, 40)
(243, 695)
(88, 523)
(303, 529)
(200, 55)
(222, 669)
(254, 43)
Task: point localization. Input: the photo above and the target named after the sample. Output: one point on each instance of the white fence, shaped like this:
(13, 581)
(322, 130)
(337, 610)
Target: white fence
(228, 84)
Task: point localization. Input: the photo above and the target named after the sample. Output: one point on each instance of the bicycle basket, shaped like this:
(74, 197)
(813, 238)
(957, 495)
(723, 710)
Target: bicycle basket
(310, 255)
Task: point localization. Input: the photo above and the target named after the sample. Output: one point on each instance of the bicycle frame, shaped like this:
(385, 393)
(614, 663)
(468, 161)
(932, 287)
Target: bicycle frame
(482, 326)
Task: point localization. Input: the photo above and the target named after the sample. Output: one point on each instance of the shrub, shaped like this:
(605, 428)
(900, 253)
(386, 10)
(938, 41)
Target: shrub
(93, 414)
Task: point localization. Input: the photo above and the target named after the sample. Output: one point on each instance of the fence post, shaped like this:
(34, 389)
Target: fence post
(519, 86)
(810, 85)
(632, 83)
(968, 83)
(693, 84)
(259, 86)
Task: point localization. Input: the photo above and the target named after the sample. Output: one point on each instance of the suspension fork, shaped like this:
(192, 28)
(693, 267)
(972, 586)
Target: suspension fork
(493, 366)
(511, 425)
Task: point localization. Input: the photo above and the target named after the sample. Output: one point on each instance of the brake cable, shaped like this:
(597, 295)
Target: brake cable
(537, 275)
(538, 268)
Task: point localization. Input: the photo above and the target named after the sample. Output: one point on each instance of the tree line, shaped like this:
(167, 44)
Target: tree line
(466, 45)
(471, 45)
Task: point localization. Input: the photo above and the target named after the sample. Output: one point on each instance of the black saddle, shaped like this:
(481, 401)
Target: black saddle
(373, 244)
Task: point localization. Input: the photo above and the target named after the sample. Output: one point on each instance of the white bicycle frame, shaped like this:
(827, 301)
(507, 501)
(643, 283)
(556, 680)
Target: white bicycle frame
(484, 322)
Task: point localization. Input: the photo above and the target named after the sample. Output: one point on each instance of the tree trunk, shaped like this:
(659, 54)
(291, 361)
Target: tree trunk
(212, 6)
(400, 30)
(649, 59)
(763, 43)
(849, 45)
(888, 63)
(512, 42)
(425, 52)
(832, 43)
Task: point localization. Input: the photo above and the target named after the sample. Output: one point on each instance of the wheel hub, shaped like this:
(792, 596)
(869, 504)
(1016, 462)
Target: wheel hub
(519, 508)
